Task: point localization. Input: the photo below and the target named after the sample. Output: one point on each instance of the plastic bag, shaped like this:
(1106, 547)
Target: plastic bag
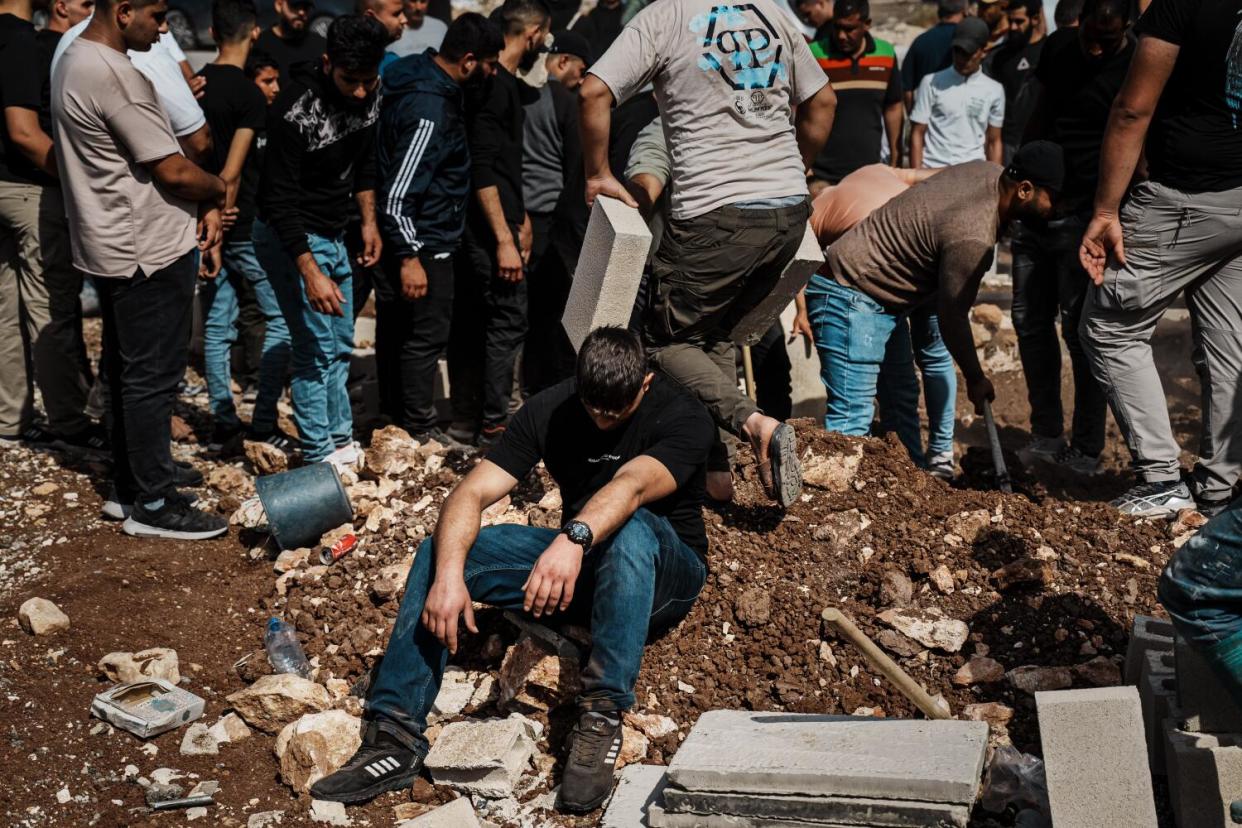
(1015, 783)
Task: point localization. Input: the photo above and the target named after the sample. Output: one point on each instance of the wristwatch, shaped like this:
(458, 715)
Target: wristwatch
(579, 533)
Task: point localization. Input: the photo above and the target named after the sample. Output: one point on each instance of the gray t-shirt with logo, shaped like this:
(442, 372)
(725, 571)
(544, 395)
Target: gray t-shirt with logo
(727, 79)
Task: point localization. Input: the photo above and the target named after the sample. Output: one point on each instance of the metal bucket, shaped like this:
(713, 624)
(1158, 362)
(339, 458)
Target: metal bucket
(303, 503)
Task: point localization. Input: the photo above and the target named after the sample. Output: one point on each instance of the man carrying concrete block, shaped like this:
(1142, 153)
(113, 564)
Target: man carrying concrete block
(728, 81)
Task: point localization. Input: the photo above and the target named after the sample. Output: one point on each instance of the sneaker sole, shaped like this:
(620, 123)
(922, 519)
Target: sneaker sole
(116, 511)
(141, 530)
(397, 783)
(584, 808)
(786, 468)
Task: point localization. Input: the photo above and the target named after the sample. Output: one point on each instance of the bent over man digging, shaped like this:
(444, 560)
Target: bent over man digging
(628, 449)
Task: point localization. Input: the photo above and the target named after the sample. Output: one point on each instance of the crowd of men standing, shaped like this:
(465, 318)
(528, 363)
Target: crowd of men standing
(446, 167)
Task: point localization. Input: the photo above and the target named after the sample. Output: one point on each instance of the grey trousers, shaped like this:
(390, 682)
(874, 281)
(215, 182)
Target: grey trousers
(40, 317)
(1174, 242)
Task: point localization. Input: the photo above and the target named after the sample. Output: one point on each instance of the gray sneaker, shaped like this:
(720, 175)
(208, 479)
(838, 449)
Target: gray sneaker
(941, 465)
(1155, 499)
(1077, 462)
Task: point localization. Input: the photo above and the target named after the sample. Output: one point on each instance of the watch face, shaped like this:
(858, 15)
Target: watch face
(578, 533)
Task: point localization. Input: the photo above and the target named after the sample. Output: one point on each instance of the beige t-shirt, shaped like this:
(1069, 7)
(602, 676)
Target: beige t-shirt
(107, 122)
(727, 79)
(838, 208)
(938, 235)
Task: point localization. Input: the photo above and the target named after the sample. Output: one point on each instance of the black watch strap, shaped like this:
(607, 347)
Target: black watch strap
(579, 533)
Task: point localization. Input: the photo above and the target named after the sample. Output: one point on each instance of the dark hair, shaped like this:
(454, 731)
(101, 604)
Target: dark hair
(849, 8)
(1067, 13)
(1104, 10)
(471, 34)
(1034, 8)
(233, 20)
(516, 15)
(356, 43)
(258, 61)
(948, 8)
(612, 364)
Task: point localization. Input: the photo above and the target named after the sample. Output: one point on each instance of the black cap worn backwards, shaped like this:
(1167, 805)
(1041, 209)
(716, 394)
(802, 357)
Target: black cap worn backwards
(1040, 162)
(565, 42)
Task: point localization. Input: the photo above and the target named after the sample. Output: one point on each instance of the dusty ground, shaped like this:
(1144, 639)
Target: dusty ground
(209, 602)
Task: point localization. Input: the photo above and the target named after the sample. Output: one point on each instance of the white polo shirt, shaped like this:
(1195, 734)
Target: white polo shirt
(957, 111)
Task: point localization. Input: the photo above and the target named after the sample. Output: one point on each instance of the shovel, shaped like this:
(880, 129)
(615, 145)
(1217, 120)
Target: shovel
(998, 456)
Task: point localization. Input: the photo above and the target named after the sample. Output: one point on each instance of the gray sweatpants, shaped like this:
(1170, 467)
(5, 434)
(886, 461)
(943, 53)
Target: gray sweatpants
(1174, 242)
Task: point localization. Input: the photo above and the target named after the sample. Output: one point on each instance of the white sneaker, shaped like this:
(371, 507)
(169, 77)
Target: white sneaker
(1155, 499)
(1041, 448)
(1077, 462)
(941, 465)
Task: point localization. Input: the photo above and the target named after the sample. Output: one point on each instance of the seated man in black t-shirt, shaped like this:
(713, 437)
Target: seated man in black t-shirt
(627, 448)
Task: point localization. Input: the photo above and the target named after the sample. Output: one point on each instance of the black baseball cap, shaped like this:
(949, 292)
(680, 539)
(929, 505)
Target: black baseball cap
(565, 42)
(1040, 162)
(971, 35)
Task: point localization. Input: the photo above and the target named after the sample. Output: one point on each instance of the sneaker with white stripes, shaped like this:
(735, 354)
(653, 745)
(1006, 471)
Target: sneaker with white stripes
(594, 744)
(1155, 499)
(382, 763)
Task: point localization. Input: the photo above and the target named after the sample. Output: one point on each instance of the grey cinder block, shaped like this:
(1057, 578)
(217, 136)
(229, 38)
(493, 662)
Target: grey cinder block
(1095, 758)
(818, 755)
(1158, 694)
(1205, 776)
(609, 270)
(810, 256)
(640, 787)
(1147, 634)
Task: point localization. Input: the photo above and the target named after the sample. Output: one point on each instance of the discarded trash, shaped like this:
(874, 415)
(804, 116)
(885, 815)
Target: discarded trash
(329, 555)
(303, 503)
(1015, 782)
(147, 708)
(184, 802)
(284, 652)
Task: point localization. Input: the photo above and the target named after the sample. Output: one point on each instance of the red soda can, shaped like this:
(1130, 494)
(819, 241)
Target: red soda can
(338, 550)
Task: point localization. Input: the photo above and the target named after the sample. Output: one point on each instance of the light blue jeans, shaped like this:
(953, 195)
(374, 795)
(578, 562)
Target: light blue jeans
(322, 344)
(865, 351)
(219, 303)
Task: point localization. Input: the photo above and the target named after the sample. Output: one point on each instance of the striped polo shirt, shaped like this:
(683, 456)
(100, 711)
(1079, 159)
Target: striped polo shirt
(864, 85)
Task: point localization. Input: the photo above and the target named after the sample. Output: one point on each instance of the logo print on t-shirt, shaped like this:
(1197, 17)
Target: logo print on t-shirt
(1023, 65)
(741, 46)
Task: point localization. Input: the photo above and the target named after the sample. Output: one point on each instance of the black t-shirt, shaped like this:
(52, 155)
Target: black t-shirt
(670, 426)
(1013, 66)
(1078, 93)
(288, 52)
(25, 82)
(1195, 140)
(495, 128)
(231, 101)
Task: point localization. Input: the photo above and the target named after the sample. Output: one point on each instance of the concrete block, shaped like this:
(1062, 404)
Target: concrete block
(639, 788)
(1205, 776)
(817, 755)
(609, 270)
(819, 809)
(484, 757)
(658, 817)
(1095, 758)
(1200, 693)
(751, 328)
(457, 814)
(1147, 634)
(1158, 693)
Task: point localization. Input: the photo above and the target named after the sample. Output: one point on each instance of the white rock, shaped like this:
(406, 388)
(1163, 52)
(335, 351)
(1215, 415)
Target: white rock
(156, 662)
(929, 627)
(230, 728)
(265, 819)
(195, 813)
(457, 814)
(332, 813)
(39, 616)
(199, 741)
(456, 691)
(315, 746)
(274, 700)
(63, 796)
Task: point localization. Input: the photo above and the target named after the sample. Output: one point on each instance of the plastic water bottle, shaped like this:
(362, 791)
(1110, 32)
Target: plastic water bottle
(284, 652)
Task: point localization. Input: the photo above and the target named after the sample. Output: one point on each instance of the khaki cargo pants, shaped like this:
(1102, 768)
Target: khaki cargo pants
(1175, 242)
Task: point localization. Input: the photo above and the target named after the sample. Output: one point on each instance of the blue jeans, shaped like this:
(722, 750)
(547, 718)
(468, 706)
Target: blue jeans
(856, 337)
(322, 344)
(219, 302)
(1202, 585)
(917, 342)
(635, 585)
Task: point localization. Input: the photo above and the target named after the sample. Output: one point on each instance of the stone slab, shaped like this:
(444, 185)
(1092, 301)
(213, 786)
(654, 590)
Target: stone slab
(457, 814)
(880, 813)
(610, 268)
(1157, 693)
(481, 757)
(640, 787)
(658, 817)
(1200, 693)
(751, 328)
(818, 755)
(1147, 634)
(1205, 776)
(1095, 758)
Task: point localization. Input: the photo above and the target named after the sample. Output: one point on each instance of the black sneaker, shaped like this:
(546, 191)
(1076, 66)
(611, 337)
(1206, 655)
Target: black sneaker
(116, 507)
(91, 440)
(176, 519)
(594, 744)
(32, 435)
(440, 436)
(222, 434)
(382, 763)
(185, 475)
(276, 438)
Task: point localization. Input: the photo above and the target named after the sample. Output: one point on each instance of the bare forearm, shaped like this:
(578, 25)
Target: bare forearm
(489, 200)
(814, 124)
(958, 338)
(916, 145)
(456, 531)
(894, 118)
(610, 507)
(1119, 155)
(995, 149)
(366, 205)
(595, 123)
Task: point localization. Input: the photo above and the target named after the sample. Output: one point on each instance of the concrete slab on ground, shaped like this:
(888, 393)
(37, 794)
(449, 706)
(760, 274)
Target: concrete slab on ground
(1095, 758)
(818, 755)
(640, 787)
(880, 813)
(660, 818)
(1200, 693)
(484, 757)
